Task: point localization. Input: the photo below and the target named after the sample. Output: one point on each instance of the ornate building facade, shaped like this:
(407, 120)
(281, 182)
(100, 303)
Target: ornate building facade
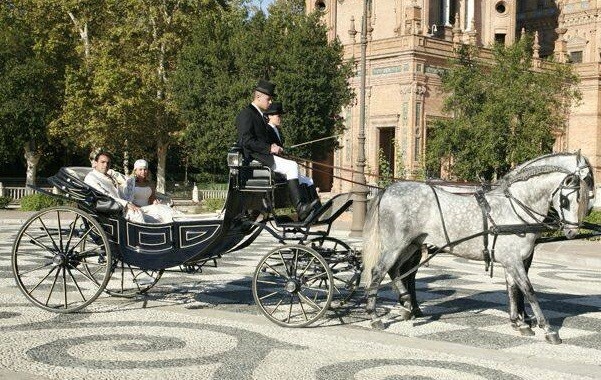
(410, 41)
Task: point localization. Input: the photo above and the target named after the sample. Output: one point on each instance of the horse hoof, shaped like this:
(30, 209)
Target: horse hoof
(553, 338)
(377, 324)
(526, 331)
(417, 313)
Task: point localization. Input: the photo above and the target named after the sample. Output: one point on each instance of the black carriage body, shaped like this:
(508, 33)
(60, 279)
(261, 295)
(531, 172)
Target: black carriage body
(186, 240)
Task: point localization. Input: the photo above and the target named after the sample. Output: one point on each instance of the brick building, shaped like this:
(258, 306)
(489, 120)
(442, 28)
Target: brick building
(409, 41)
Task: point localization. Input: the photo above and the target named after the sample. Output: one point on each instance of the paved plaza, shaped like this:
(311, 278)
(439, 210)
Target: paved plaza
(206, 326)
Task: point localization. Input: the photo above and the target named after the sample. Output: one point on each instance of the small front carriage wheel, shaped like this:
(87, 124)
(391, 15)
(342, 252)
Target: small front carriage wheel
(53, 255)
(293, 286)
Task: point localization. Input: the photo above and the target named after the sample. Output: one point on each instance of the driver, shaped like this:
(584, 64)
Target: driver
(259, 141)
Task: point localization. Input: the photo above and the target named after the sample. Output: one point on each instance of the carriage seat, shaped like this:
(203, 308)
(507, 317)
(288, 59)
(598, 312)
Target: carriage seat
(253, 175)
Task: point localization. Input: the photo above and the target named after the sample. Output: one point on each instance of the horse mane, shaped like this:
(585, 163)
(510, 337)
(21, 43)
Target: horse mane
(527, 173)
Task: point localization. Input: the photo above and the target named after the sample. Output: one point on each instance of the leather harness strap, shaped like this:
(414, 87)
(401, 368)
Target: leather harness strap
(489, 255)
(444, 227)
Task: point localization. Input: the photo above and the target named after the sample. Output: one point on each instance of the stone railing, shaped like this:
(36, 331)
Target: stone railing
(17, 192)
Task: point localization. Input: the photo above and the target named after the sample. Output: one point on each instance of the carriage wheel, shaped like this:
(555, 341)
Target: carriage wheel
(129, 281)
(53, 255)
(344, 264)
(126, 280)
(292, 286)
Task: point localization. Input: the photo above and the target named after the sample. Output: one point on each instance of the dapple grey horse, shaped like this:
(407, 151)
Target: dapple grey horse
(407, 215)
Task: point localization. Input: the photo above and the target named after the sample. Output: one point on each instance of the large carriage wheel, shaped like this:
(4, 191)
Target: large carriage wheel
(344, 264)
(53, 255)
(292, 286)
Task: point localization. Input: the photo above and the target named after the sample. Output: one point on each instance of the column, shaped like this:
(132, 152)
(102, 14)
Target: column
(469, 14)
(446, 13)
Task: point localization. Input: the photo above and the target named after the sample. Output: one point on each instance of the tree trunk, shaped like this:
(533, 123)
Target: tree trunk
(161, 164)
(32, 156)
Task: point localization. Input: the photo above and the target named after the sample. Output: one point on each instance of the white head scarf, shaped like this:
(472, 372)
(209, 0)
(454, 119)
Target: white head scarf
(140, 164)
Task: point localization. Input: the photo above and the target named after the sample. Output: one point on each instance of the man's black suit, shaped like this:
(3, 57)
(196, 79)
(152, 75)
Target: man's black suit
(255, 136)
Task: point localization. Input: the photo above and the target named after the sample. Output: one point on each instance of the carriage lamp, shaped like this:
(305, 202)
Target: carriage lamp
(234, 159)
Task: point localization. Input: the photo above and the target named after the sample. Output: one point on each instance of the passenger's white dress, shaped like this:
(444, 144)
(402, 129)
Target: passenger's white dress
(153, 213)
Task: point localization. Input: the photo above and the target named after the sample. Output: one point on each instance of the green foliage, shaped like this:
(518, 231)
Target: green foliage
(503, 112)
(386, 175)
(4, 201)
(594, 217)
(230, 50)
(33, 56)
(212, 204)
(39, 201)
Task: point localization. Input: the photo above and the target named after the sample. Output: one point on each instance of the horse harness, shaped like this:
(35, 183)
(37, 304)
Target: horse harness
(489, 227)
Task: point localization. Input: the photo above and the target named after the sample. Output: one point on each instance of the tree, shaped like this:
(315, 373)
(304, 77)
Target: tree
(33, 52)
(502, 112)
(118, 97)
(230, 50)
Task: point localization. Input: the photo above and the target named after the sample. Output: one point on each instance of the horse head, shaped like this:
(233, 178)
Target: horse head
(571, 198)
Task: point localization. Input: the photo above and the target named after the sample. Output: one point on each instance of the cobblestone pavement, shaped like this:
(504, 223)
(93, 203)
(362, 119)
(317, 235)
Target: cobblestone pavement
(206, 325)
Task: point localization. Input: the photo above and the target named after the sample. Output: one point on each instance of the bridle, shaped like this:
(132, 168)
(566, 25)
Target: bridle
(571, 184)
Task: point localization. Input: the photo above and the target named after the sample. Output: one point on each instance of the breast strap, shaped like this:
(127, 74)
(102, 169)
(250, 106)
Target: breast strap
(489, 255)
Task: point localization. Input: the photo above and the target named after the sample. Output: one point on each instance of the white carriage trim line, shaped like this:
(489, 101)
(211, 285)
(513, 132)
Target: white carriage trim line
(184, 235)
(163, 235)
(166, 231)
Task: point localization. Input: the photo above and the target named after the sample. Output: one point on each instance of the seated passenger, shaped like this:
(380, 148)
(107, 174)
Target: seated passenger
(259, 141)
(143, 194)
(107, 181)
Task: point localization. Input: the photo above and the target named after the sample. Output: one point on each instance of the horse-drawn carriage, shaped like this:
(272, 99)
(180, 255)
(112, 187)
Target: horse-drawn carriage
(65, 257)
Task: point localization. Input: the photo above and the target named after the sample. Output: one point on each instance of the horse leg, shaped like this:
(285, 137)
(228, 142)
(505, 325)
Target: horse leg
(520, 278)
(370, 308)
(516, 307)
(406, 287)
(377, 275)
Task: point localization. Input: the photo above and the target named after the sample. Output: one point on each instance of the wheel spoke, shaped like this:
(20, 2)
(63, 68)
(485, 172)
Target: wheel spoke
(91, 278)
(300, 303)
(269, 295)
(76, 284)
(83, 237)
(313, 278)
(278, 305)
(49, 235)
(65, 286)
(290, 310)
(38, 243)
(60, 232)
(311, 302)
(36, 268)
(307, 267)
(288, 274)
(52, 287)
(71, 230)
(276, 271)
(42, 280)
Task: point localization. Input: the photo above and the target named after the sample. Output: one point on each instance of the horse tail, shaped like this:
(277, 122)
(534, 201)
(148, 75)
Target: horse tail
(371, 238)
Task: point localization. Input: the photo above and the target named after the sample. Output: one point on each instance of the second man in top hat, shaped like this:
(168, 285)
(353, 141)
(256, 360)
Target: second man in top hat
(263, 142)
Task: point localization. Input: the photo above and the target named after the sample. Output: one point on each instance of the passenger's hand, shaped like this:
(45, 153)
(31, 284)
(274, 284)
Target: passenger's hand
(132, 207)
